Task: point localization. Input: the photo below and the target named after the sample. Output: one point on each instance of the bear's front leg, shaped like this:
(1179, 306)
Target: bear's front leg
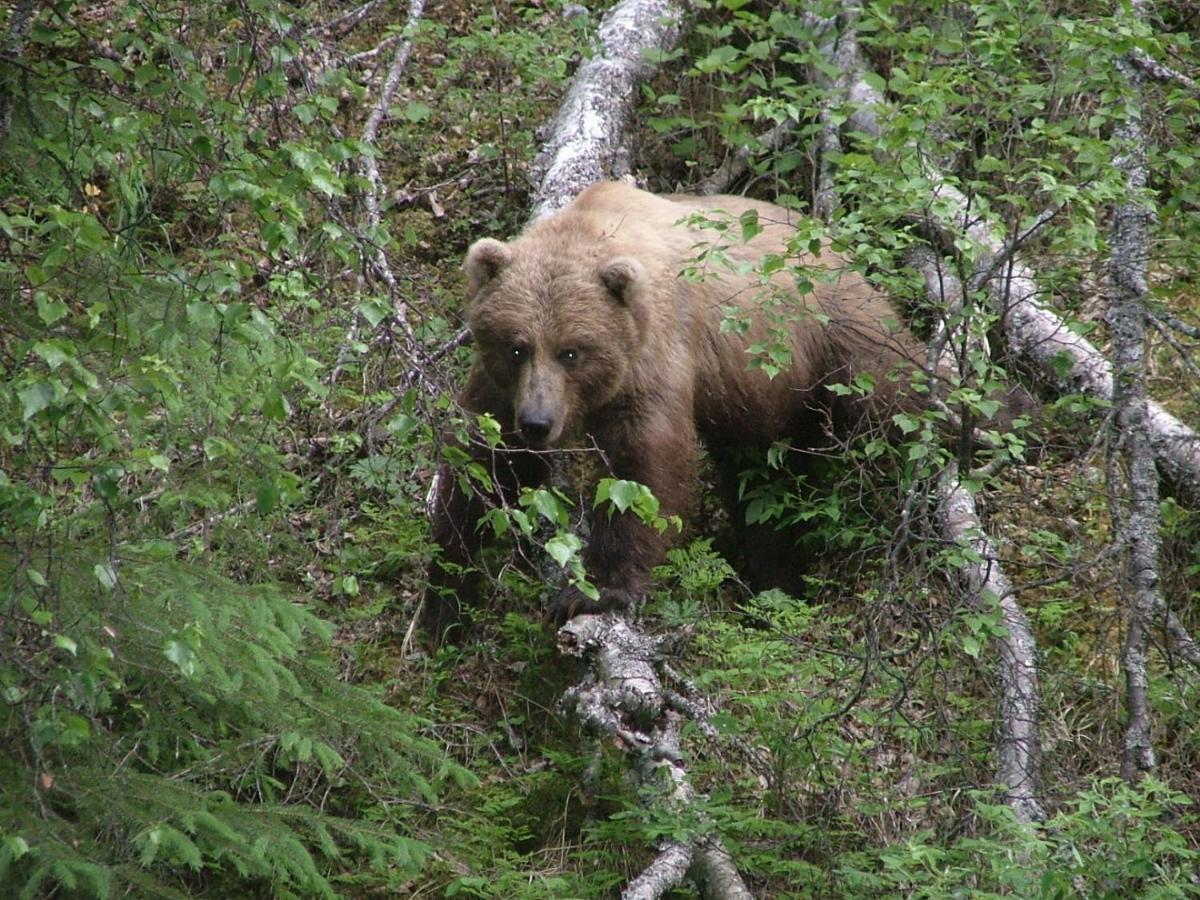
(454, 584)
(659, 451)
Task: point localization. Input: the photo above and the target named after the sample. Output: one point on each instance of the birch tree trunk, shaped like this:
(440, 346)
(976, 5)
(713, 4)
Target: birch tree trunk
(621, 697)
(589, 134)
(1127, 314)
(1032, 328)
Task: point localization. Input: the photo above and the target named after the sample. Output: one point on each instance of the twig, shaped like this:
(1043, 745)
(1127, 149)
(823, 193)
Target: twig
(209, 521)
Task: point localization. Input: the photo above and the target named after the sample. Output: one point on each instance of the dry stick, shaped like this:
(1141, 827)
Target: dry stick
(1160, 72)
(587, 145)
(1129, 252)
(374, 259)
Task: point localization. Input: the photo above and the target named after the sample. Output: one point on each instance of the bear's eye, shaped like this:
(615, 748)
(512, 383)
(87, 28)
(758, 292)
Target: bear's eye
(568, 356)
(518, 352)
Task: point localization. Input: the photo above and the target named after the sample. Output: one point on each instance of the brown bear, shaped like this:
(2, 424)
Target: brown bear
(627, 321)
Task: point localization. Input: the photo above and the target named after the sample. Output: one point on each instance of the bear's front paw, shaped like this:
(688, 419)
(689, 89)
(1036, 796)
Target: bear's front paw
(571, 602)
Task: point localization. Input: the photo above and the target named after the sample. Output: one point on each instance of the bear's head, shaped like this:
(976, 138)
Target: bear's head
(557, 326)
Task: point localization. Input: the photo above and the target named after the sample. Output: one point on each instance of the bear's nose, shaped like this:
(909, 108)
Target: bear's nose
(535, 428)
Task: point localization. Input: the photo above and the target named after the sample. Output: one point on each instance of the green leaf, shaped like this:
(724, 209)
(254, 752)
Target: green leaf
(266, 496)
(182, 656)
(34, 398)
(275, 405)
(719, 58)
(106, 575)
(62, 642)
(49, 310)
(55, 352)
(417, 112)
(563, 548)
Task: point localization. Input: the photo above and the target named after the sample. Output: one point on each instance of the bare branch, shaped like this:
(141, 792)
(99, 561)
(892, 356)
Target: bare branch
(987, 587)
(667, 871)
(587, 142)
(339, 26)
(374, 259)
(738, 163)
(370, 131)
(1160, 72)
(1163, 320)
(1032, 328)
(623, 699)
(841, 51)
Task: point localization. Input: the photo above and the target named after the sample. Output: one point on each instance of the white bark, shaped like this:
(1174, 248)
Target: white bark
(1033, 329)
(985, 584)
(19, 23)
(623, 699)
(982, 576)
(667, 871)
(587, 142)
(1129, 248)
(378, 260)
(840, 48)
(374, 258)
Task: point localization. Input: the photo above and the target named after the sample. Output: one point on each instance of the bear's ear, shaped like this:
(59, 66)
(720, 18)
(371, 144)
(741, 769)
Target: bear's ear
(621, 276)
(486, 259)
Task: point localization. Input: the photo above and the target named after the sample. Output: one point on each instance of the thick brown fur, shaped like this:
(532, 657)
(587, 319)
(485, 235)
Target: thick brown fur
(586, 330)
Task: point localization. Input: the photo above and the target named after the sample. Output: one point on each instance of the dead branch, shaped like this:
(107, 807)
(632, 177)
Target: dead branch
(1159, 72)
(841, 49)
(375, 261)
(738, 163)
(588, 135)
(984, 582)
(1032, 328)
(341, 25)
(378, 260)
(622, 699)
(667, 871)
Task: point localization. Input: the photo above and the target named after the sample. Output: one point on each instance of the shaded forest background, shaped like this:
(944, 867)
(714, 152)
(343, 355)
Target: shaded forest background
(229, 301)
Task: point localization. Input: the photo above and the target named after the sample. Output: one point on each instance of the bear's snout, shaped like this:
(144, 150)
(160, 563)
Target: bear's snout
(536, 426)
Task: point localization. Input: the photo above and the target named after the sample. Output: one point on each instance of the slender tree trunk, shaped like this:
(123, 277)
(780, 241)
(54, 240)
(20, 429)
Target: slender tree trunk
(1127, 314)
